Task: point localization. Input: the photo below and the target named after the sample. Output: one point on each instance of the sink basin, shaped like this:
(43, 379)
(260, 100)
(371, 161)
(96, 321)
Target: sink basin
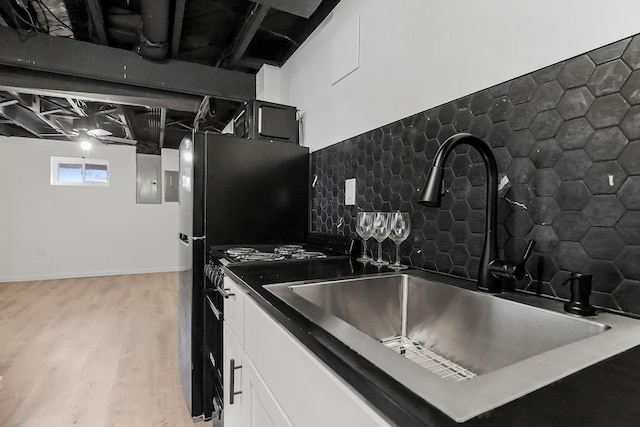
(449, 344)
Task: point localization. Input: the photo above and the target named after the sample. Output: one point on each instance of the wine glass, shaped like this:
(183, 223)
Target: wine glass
(381, 222)
(400, 227)
(364, 222)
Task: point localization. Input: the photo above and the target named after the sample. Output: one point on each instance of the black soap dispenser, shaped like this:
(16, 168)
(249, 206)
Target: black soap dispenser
(580, 292)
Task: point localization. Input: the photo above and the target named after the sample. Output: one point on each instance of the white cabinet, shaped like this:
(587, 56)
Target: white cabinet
(260, 406)
(233, 355)
(281, 382)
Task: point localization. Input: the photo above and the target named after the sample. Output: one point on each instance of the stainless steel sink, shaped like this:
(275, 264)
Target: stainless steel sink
(494, 348)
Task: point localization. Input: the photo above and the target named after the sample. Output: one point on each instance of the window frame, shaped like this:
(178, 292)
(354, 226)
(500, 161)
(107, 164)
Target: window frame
(55, 167)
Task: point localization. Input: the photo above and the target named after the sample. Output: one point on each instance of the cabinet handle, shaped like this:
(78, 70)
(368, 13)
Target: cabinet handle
(232, 381)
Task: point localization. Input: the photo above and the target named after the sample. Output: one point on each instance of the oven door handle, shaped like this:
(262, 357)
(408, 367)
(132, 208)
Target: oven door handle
(224, 291)
(216, 312)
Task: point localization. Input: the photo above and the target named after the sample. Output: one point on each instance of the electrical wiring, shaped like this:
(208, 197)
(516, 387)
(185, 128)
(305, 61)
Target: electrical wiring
(46, 19)
(42, 4)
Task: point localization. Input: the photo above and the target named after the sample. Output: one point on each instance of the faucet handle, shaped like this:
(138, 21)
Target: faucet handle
(508, 270)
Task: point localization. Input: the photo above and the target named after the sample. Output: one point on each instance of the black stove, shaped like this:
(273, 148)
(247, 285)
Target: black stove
(316, 247)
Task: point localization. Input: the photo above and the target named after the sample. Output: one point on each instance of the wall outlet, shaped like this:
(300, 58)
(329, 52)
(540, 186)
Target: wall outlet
(42, 252)
(350, 192)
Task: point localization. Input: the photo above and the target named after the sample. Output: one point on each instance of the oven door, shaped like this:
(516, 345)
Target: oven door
(213, 327)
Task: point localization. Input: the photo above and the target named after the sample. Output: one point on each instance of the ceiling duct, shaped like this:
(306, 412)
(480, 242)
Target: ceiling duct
(154, 40)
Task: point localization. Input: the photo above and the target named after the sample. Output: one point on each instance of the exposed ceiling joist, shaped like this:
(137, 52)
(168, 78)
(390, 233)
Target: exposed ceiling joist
(178, 17)
(303, 8)
(95, 14)
(76, 107)
(249, 29)
(122, 114)
(36, 82)
(43, 53)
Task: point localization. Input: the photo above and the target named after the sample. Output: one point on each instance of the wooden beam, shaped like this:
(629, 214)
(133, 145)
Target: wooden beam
(74, 58)
(248, 30)
(55, 85)
(95, 12)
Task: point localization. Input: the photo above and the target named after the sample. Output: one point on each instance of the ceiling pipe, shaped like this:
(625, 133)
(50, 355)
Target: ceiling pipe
(154, 40)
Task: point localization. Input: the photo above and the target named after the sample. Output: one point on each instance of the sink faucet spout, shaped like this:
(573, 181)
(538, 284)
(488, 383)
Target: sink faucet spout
(431, 196)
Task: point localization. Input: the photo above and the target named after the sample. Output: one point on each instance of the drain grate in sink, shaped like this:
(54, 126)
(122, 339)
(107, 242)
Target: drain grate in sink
(429, 360)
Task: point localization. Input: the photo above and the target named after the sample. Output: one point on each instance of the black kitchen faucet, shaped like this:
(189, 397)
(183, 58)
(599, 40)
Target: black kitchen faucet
(493, 271)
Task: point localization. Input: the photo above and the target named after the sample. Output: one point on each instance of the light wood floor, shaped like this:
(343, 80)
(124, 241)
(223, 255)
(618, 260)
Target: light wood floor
(91, 352)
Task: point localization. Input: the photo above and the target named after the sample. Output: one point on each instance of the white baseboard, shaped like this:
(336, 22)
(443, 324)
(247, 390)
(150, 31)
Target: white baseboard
(31, 278)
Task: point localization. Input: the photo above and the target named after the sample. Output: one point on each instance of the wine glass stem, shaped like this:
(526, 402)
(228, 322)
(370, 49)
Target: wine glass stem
(364, 248)
(379, 251)
(397, 254)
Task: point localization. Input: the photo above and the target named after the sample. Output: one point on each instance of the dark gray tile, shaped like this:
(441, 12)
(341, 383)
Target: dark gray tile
(573, 164)
(607, 111)
(629, 193)
(500, 109)
(629, 227)
(480, 126)
(521, 116)
(520, 170)
(460, 210)
(499, 135)
(606, 144)
(459, 255)
(544, 154)
(631, 123)
(444, 220)
(518, 224)
(443, 263)
(432, 128)
(547, 96)
(460, 232)
(632, 54)
(546, 124)
(605, 178)
(480, 102)
(609, 52)
(575, 103)
(606, 276)
(542, 267)
(545, 182)
(602, 243)
(572, 196)
(500, 89)
(570, 256)
(547, 74)
(608, 78)
(462, 120)
(446, 113)
(522, 89)
(604, 300)
(477, 198)
(627, 295)
(544, 210)
(629, 262)
(521, 143)
(631, 89)
(576, 72)
(444, 242)
(604, 211)
(574, 134)
(446, 131)
(545, 237)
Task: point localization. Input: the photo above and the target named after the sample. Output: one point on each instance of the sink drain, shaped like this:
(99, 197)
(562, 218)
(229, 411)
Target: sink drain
(431, 361)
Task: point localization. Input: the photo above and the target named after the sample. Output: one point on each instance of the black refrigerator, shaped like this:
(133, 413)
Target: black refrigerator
(232, 191)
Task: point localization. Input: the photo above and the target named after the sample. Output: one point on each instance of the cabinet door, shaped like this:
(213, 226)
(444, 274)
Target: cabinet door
(260, 406)
(309, 392)
(234, 309)
(233, 373)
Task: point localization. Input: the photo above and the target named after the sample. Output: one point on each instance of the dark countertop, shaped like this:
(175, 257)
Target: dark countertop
(605, 394)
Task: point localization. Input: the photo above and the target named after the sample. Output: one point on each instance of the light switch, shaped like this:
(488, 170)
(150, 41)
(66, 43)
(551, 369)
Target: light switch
(350, 192)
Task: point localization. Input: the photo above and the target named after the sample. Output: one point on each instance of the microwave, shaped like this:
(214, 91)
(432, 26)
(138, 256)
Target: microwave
(267, 121)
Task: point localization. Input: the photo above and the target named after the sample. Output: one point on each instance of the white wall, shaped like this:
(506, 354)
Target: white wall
(417, 54)
(61, 231)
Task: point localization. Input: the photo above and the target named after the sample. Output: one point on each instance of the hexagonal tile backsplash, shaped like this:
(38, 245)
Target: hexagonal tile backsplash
(567, 137)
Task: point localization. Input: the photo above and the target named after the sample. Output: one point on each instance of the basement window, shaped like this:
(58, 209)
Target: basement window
(83, 172)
